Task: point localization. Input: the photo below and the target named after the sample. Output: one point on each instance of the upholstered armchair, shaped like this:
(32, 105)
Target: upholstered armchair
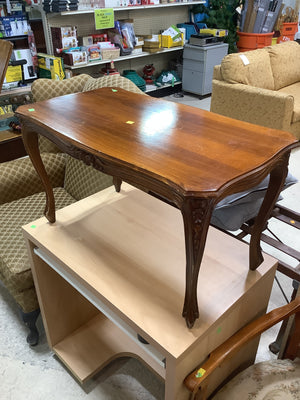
(268, 380)
(22, 197)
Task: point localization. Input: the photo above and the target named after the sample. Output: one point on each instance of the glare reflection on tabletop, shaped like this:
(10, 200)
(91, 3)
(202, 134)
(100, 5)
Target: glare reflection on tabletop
(158, 124)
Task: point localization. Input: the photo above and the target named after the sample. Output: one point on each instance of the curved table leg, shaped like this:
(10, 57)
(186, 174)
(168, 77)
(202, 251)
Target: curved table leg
(196, 218)
(31, 144)
(117, 182)
(277, 179)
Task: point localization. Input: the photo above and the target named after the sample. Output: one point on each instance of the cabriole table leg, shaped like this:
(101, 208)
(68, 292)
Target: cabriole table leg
(277, 179)
(30, 139)
(196, 218)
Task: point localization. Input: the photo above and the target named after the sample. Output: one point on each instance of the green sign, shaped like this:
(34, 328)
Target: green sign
(104, 18)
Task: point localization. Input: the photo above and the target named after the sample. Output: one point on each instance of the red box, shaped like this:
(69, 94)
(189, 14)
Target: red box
(100, 37)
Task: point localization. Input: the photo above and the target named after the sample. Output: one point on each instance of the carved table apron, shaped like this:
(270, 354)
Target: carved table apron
(188, 157)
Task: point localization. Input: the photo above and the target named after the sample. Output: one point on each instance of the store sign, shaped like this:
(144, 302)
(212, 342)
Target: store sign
(104, 18)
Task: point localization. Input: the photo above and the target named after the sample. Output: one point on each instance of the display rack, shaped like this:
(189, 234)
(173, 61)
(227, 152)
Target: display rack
(150, 19)
(123, 58)
(144, 7)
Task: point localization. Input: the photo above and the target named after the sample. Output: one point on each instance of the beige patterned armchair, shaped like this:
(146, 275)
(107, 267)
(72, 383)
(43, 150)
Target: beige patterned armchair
(22, 197)
(260, 86)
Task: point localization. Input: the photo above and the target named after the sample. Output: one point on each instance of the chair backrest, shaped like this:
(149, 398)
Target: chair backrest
(5, 53)
(111, 81)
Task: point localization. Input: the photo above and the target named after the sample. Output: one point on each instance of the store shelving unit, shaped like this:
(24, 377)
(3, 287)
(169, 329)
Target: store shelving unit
(144, 7)
(123, 58)
(150, 19)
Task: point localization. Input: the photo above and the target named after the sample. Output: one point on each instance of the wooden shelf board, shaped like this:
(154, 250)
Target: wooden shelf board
(123, 58)
(8, 134)
(129, 8)
(87, 350)
(16, 91)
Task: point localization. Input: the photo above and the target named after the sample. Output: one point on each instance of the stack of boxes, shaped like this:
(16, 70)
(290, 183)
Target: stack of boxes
(63, 38)
(13, 22)
(93, 48)
(14, 26)
(152, 43)
(138, 48)
(60, 5)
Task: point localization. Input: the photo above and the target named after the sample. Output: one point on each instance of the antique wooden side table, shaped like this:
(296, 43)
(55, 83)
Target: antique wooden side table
(186, 156)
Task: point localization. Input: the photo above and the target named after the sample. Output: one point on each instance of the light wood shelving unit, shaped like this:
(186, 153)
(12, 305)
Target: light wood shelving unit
(112, 267)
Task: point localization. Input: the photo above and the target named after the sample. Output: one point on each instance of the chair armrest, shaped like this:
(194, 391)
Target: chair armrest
(44, 89)
(231, 346)
(255, 105)
(18, 178)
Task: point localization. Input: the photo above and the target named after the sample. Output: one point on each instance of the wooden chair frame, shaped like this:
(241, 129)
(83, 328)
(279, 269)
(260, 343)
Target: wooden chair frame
(198, 385)
(6, 48)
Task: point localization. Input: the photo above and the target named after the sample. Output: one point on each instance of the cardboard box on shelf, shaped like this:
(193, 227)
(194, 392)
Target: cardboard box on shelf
(13, 74)
(139, 41)
(152, 49)
(85, 40)
(137, 50)
(215, 32)
(50, 67)
(75, 57)
(64, 37)
(29, 70)
(112, 3)
(152, 43)
(110, 54)
(94, 53)
(14, 25)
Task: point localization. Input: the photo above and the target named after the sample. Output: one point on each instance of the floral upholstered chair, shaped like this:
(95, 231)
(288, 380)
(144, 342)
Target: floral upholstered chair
(268, 380)
(22, 197)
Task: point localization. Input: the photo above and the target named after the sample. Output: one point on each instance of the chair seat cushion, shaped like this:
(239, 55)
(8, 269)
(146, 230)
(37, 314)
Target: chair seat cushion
(268, 380)
(14, 263)
(20, 179)
(231, 212)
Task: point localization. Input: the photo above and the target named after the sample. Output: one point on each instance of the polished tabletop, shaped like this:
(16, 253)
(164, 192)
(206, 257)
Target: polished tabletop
(194, 150)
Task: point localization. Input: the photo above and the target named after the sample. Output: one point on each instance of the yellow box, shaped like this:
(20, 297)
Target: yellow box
(274, 40)
(166, 41)
(215, 32)
(50, 67)
(13, 73)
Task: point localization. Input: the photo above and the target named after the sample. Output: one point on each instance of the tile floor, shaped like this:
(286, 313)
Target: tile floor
(37, 374)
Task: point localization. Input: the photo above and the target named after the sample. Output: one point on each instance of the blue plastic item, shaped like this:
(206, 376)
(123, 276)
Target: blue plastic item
(201, 25)
(200, 17)
(190, 29)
